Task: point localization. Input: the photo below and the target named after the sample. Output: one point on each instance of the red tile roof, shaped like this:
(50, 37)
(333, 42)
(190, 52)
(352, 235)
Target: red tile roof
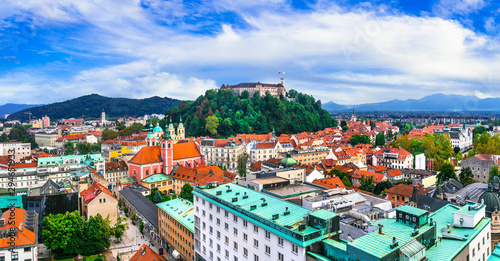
(147, 155)
(24, 236)
(401, 189)
(94, 190)
(185, 150)
(378, 168)
(334, 182)
(265, 145)
(211, 178)
(377, 177)
(394, 172)
(149, 254)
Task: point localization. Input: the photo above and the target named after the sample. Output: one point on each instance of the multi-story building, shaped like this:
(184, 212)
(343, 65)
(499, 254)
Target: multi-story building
(176, 221)
(22, 150)
(98, 200)
(21, 227)
(400, 194)
(232, 222)
(115, 170)
(46, 139)
(461, 137)
(144, 209)
(451, 233)
(480, 165)
(310, 155)
(393, 158)
(223, 152)
(276, 90)
(162, 182)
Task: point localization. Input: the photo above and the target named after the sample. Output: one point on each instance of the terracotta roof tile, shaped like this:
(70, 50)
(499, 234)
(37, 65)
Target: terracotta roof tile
(147, 155)
(334, 182)
(394, 172)
(185, 150)
(149, 254)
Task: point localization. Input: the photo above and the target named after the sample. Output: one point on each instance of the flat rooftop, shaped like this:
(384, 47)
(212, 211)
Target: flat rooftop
(271, 180)
(292, 190)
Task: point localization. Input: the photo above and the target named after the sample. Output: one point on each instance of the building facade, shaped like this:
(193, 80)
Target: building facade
(232, 222)
(223, 152)
(22, 150)
(480, 165)
(98, 200)
(393, 158)
(176, 227)
(22, 226)
(276, 90)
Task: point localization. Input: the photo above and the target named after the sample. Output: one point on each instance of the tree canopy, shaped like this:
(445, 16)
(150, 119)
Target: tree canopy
(435, 146)
(359, 139)
(380, 139)
(466, 176)
(446, 172)
(256, 114)
(69, 234)
(487, 144)
(187, 192)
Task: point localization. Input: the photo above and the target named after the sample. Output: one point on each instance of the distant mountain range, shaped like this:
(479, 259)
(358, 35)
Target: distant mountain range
(9, 108)
(435, 102)
(91, 106)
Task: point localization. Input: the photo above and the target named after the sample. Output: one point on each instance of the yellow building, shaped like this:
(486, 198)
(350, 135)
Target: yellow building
(160, 181)
(117, 154)
(308, 156)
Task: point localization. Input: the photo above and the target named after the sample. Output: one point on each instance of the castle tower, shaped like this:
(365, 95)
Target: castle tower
(171, 130)
(353, 117)
(151, 139)
(167, 153)
(103, 118)
(180, 132)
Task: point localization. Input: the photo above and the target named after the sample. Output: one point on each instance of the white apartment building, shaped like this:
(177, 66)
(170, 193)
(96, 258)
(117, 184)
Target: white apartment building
(262, 151)
(393, 158)
(222, 151)
(236, 223)
(22, 150)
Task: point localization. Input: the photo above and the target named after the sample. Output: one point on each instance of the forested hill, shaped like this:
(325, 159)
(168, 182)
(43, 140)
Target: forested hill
(91, 106)
(224, 114)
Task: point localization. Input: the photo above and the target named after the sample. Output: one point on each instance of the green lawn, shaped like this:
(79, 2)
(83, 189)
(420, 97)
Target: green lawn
(91, 258)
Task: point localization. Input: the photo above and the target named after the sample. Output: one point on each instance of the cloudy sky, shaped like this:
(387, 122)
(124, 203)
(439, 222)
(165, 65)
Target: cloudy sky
(349, 52)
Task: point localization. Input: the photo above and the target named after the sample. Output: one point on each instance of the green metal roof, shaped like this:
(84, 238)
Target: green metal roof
(323, 214)
(181, 210)
(60, 159)
(128, 180)
(412, 248)
(10, 201)
(495, 255)
(156, 178)
(448, 249)
(378, 245)
(412, 210)
(251, 207)
(465, 209)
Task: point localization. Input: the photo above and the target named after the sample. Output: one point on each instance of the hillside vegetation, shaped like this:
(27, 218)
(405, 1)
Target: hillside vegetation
(224, 114)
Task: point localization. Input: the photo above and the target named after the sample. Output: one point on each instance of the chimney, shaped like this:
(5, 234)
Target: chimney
(380, 229)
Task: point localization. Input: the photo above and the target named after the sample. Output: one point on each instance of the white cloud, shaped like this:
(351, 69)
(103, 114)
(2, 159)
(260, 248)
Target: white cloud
(361, 55)
(448, 8)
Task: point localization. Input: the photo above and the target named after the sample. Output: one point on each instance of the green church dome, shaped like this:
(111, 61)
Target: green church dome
(157, 128)
(490, 199)
(288, 161)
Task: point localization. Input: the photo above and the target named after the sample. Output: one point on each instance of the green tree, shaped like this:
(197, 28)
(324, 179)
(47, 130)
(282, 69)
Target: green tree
(212, 125)
(120, 203)
(359, 139)
(141, 225)
(69, 148)
(97, 232)
(245, 95)
(187, 192)
(466, 176)
(382, 186)
(478, 131)
(4, 138)
(366, 184)
(346, 181)
(242, 165)
(380, 139)
(446, 172)
(63, 233)
(493, 172)
(456, 150)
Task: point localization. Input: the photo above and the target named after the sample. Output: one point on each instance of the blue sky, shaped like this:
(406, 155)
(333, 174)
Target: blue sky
(349, 52)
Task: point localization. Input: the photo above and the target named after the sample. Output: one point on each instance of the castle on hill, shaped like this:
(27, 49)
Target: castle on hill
(274, 89)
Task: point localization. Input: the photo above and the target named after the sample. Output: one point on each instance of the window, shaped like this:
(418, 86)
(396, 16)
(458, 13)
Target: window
(280, 256)
(245, 252)
(235, 218)
(204, 237)
(211, 230)
(218, 248)
(236, 246)
(255, 229)
(211, 242)
(255, 243)
(211, 255)
(235, 258)
(227, 254)
(226, 214)
(245, 223)
(245, 237)
(268, 234)
(226, 226)
(218, 209)
(235, 231)
(255, 257)
(218, 235)
(210, 217)
(295, 248)
(218, 221)
(280, 241)
(227, 240)
(268, 250)
(203, 212)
